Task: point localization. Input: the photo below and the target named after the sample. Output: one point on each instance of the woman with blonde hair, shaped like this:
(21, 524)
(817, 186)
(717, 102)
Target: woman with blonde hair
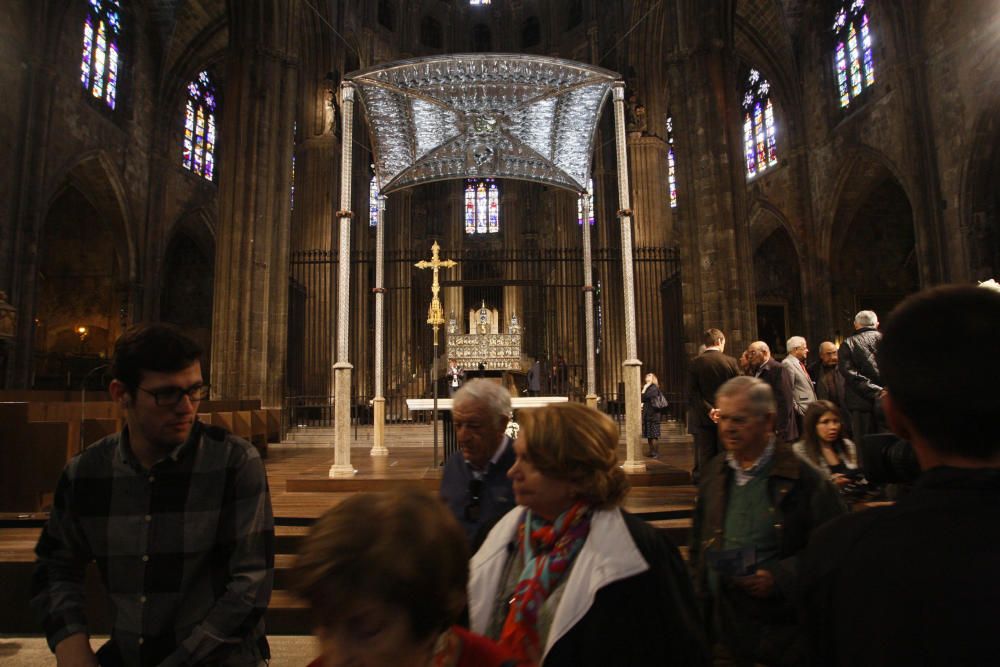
(559, 575)
(651, 395)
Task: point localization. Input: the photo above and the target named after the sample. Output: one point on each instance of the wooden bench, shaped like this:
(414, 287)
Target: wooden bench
(32, 455)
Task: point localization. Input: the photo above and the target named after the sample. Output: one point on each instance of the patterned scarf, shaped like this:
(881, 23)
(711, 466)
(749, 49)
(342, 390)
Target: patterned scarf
(548, 553)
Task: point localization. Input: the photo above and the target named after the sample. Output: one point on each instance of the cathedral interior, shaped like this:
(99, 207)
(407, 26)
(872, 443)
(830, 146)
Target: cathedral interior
(790, 163)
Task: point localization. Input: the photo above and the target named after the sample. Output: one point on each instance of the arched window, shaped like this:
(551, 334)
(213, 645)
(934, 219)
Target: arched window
(853, 61)
(758, 125)
(101, 51)
(372, 203)
(671, 163)
(478, 3)
(589, 195)
(482, 206)
(199, 127)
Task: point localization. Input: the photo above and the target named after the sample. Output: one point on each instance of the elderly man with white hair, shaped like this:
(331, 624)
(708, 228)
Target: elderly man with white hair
(802, 385)
(856, 362)
(758, 504)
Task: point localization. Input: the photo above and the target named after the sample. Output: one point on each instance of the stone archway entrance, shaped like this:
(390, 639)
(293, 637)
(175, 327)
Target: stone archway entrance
(874, 264)
(187, 287)
(80, 296)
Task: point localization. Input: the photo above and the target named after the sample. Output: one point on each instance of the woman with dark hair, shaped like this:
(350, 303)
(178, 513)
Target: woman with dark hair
(823, 444)
(568, 569)
(385, 576)
(651, 413)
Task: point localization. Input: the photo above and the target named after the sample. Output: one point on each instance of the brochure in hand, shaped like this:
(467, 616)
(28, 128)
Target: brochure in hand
(733, 562)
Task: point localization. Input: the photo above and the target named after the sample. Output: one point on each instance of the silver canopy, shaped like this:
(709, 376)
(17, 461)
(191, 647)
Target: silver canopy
(483, 115)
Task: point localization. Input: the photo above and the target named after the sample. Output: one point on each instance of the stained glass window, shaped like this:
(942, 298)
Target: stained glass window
(199, 127)
(853, 62)
(759, 145)
(291, 196)
(671, 163)
(589, 196)
(101, 59)
(372, 203)
(482, 206)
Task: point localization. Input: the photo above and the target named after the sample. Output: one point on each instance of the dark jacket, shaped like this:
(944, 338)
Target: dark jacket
(496, 497)
(612, 591)
(802, 500)
(780, 379)
(860, 369)
(911, 584)
(649, 413)
(706, 373)
(830, 385)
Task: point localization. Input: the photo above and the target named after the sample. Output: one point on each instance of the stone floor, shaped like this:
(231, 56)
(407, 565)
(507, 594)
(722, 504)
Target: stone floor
(288, 651)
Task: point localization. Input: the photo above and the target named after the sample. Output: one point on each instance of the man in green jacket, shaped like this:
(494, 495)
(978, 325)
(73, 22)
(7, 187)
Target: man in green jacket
(757, 505)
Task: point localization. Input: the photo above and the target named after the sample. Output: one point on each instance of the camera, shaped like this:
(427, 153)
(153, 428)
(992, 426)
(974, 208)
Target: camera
(888, 459)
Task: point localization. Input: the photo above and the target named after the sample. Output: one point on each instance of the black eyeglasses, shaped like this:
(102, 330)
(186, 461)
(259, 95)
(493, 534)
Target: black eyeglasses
(473, 508)
(168, 397)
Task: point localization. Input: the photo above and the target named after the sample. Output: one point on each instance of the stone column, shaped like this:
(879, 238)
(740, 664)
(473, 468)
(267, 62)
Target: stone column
(651, 207)
(378, 446)
(252, 244)
(588, 303)
(342, 368)
(633, 427)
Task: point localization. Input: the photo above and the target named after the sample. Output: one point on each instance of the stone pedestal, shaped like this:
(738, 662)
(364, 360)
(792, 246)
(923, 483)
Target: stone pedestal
(633, 418)
(342, 421)
(378, 447)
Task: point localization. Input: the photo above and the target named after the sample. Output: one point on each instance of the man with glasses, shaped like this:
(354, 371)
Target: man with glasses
(474, 484)
(177, 515)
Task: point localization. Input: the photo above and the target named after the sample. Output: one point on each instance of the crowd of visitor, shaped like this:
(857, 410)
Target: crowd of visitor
(795, 556)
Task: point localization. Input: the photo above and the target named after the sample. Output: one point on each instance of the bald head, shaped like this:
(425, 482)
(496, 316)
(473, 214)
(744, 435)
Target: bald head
(758, 353)
(828, 354)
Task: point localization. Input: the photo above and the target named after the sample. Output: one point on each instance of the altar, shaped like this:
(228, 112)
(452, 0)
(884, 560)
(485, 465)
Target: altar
(484, 343)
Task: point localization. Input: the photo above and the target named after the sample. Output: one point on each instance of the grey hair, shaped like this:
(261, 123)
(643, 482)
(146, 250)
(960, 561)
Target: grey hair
(866, 318)
(794, 343)
(756, 390)
(491, 394)
(762, 345)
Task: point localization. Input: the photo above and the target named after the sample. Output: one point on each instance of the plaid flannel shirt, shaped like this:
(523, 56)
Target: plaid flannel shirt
(185, 551)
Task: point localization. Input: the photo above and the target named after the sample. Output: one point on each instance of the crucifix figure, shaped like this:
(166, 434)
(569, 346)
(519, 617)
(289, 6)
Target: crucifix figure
(435, 318)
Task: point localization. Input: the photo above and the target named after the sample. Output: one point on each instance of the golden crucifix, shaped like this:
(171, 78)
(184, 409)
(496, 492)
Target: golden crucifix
(435, 313)
(435, 318)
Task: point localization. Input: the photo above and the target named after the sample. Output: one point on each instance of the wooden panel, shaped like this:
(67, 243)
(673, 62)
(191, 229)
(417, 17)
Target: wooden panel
(273, 424)
(222, 420)
(241, 424)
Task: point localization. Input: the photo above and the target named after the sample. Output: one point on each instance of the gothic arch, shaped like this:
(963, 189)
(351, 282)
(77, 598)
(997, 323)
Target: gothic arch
(980, 201)
(777, 276)
(94, 175)
(871, 242)
(187, 279)
(83, 270)
(863, 168)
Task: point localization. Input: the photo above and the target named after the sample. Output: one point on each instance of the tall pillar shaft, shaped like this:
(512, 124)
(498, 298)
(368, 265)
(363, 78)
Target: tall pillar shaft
(588, 304)
(378, 446)
(342, 368)
(249, 330)
(633, 428)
